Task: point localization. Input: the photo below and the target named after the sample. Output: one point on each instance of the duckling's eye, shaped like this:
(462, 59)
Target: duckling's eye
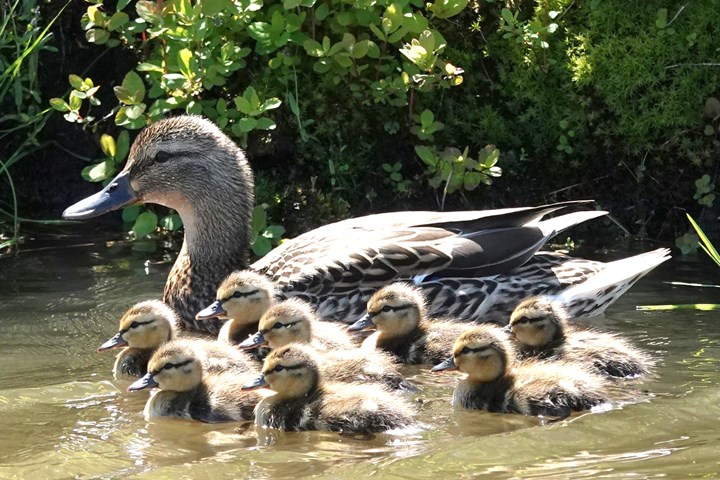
(278, 368)
(523, 320)
(277, 326)
(162, 156)
(465, 350)
(134, 324)
(387, 308)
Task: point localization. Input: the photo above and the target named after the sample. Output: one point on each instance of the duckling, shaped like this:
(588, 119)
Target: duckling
(188, 389)
(294, 321)
(398, 313)
(242, 298)
(498, 382)
(143, 328)
(302, 401)
(541, 330)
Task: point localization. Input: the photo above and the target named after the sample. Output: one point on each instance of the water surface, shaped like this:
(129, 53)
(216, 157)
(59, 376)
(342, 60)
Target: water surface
(62, 415)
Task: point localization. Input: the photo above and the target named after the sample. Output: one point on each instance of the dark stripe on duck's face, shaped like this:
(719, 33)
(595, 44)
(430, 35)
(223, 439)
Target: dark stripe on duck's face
(389, 308)
(279, 325)
(467, 350)
(280, 368)
(169, 365)
(239, 294)
(135, 324)
(527, 320)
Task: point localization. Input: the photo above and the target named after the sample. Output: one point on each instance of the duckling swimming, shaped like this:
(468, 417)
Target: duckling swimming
(302, 401)
(541, 330)
(188, 389)
(294, 321)
(497, 382)
(242, 298)
(398, 313)
(143, 328)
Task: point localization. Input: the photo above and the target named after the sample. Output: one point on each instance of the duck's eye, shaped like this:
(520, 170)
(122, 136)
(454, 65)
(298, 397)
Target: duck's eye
(523, 320)
(162, 156)
(278, 325)
(465, 350)
(134, 324)
(278, 368)
(387, 308)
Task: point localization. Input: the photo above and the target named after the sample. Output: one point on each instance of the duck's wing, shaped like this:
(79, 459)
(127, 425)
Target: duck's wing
(368, 252)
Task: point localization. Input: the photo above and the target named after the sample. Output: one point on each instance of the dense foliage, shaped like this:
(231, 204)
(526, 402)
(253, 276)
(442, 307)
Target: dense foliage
(355, 105)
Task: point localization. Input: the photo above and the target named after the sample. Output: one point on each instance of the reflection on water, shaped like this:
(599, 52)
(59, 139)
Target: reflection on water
(63, 415)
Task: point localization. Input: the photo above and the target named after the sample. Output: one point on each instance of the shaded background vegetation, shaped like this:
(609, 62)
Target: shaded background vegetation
(611, 100)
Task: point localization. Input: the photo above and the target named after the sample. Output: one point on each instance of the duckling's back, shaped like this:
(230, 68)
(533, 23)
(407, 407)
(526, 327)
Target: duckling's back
(608, 353)
(359, 366)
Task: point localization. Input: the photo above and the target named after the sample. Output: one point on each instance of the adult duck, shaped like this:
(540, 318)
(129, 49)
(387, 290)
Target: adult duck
(188, 164)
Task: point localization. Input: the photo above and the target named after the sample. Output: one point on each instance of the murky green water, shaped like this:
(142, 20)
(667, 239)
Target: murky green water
(62, 415)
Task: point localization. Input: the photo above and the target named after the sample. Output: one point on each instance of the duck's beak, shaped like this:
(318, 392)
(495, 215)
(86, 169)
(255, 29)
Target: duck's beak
(142, 383)
(114, 342)
(253, 341)
(362, 324)
(448, 364)
(117, 194)
(215, 309)
(507, 329)
(255, 383)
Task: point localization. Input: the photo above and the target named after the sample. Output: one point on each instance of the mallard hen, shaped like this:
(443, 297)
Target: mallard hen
(187, 163)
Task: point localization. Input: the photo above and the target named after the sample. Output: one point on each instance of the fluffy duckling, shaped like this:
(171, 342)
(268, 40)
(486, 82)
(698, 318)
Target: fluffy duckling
(143, 328)
(302, 401)
(294, 321)
(188, 389)
(398, 312)
(242, 298)
(497, 382)
(541, 330)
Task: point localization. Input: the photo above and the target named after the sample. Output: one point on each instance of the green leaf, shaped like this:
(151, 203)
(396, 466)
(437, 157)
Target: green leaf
(59, 105)
(97, 36)
(508, 16)
(247, 124)
(132, 90)
(259, 219)
(270, 104)
(99, 171)
(77, 82)
(184, 59)
(95, 15)
(322, 12)
(261, 246)
(145, 224)
(427, 155)
(313, 48)
(171, 222)
(274, 231)
(107, 144)
(122, 146)
(426, 118)
(447, 8)
(129, 214)
(122, 4)
(211, 8)
(265, 123)
(117, 20)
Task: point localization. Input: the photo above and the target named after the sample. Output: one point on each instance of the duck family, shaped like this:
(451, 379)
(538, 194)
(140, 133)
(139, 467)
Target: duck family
(437, 288)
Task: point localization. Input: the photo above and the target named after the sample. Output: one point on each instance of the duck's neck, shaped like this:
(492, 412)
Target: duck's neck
(217, 235)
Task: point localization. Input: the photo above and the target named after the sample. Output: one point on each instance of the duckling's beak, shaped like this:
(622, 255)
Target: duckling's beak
(114, 342)
(507, 329)
(448, 364)
(215, 309)
(142, 383)
(362, 324)
(255, 383)
(117, 194)
(253, 341)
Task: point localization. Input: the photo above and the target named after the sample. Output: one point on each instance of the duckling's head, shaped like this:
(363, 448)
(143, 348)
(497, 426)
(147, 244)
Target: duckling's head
(146, 324)
(174, 367)
(394, 310)
(291, 371)
(243, 296)
(483, 353)
(538, 321)
(287, 322)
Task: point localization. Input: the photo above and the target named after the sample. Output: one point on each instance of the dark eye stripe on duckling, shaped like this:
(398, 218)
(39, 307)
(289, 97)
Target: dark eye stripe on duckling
(467, 350)
(168, 366)
(279, 325)
(239, 294)
(523, 320)
(389, 308)
(280, 368)
(136, 324)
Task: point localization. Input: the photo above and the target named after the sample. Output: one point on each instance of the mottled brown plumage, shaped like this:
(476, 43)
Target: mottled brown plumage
(303, 401)
(541, 330)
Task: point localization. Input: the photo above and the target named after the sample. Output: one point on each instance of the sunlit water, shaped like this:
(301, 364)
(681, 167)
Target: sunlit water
(62, 415)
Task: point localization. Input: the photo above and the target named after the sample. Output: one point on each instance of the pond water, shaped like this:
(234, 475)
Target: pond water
(62, 415)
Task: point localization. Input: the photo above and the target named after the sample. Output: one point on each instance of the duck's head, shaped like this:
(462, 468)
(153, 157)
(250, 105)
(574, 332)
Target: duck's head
(243, 296)
(146, 324)
(186, 163)
(537, 321)
(173, 367)
(291, 371)
(394, 310)
(483, 353)
(287, 322)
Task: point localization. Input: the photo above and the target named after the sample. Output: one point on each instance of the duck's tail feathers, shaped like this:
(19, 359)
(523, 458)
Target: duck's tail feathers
(554, 226)
(594, 295)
